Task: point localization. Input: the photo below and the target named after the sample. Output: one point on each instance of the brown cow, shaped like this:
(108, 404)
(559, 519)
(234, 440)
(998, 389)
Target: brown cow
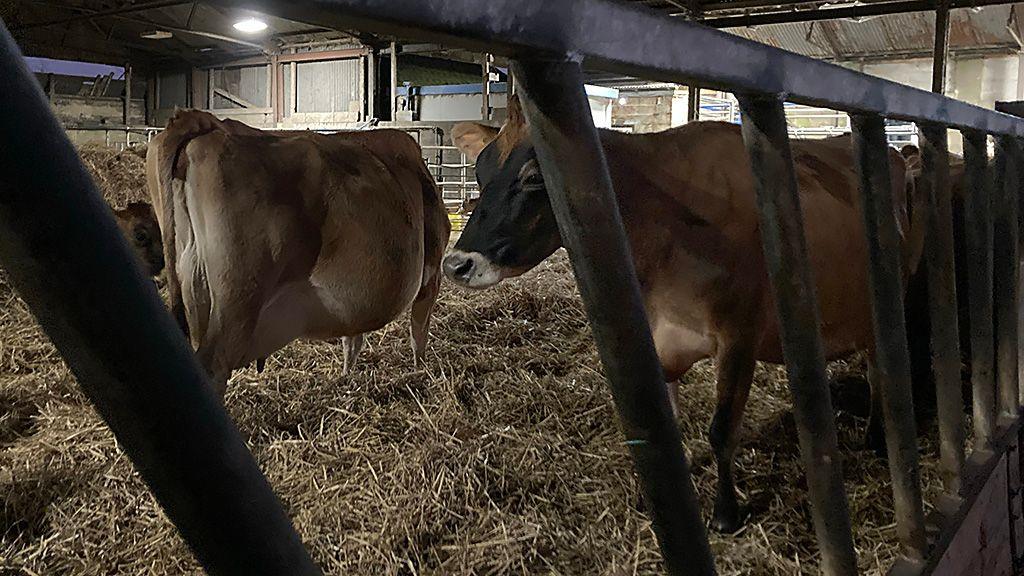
(273, 237)
(139, 225)
(687, 201)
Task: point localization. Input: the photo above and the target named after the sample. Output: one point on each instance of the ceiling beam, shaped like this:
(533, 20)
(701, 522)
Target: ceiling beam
(141, 7)
(848, 12)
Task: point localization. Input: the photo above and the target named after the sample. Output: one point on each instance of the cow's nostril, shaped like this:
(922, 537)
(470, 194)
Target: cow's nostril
(463, 269)
(459, 267)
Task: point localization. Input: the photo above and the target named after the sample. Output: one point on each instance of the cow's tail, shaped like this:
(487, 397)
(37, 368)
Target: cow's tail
(436, 230)
(166, 159)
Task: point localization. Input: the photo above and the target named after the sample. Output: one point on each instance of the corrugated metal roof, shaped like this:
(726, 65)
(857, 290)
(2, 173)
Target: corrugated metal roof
(896, 34)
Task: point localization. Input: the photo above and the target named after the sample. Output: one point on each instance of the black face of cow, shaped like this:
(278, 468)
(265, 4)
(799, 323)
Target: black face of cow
(512, 228)
(138, 224)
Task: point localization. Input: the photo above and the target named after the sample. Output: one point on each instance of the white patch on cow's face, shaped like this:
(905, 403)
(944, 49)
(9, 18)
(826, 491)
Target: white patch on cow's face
(471, 269)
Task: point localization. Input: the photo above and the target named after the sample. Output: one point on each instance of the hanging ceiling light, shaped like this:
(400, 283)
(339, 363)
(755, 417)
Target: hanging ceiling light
(251, 25)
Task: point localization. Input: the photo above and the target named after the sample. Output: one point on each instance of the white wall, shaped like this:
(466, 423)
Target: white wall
(978, 80)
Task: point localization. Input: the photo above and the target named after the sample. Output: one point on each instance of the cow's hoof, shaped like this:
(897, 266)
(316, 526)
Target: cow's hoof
(729, 519)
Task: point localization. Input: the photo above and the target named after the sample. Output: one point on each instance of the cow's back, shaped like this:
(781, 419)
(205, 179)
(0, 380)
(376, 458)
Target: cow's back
(688, 199)
(292, 237)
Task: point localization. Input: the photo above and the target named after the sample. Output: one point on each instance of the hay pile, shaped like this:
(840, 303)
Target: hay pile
(120, 175)
(502, 455)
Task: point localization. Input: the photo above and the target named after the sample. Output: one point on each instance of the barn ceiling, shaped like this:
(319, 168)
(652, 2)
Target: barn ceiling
(110, 31)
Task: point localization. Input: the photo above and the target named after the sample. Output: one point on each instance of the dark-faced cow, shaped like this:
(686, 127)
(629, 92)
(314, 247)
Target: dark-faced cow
(687, 201)
(138, 223)
(274, 237)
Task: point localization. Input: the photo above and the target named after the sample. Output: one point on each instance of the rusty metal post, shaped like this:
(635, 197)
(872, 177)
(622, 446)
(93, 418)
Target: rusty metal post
(942, 304)
(65, 255)
(1005, 272)
(785, 250)
(978, 229)
(892, 358)
(586, 209)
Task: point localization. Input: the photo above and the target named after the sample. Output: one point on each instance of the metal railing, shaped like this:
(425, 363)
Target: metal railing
(124, 134)
(196, 463)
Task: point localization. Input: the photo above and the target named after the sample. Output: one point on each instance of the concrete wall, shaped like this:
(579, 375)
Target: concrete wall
(457, 107)
(645, 112)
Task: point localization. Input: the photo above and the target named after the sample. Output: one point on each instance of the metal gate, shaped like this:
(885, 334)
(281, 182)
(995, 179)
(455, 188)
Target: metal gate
(66, 258)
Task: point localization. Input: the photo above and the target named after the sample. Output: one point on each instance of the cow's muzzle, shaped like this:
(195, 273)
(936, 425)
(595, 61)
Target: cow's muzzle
(471, 269)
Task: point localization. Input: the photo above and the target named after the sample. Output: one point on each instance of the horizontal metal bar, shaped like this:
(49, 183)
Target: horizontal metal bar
(585, 207)
(615, 37)
(890, 369)
(67, 258)
(796, 303)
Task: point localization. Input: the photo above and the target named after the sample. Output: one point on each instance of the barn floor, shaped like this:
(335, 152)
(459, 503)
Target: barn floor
(502, 455)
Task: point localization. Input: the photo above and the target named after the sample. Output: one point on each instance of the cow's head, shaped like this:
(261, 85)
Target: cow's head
(512, 228)
(139, 226)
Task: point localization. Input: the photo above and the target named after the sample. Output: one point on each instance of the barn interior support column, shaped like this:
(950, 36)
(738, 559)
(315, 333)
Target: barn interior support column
(978, 229)
(127, 353)
(785, 251)
(485, 111)
(692, 103)
(940, 52)
(371, 84)
(126, 112)
(942, 305)
(394, 81)
(1005, 270)
(580, 189)
(890, 369)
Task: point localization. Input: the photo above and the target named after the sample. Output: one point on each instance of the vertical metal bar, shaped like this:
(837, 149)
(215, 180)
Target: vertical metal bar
(394, 82)
(580, 189)
(127, 112)
(129, 356)
(891, 365)
(940, 51)
(295, 87)
(371, 84)
(942, 304)
(692, 103)
(485, 111)
(1005, 272)
(978, 229)
(785, 251)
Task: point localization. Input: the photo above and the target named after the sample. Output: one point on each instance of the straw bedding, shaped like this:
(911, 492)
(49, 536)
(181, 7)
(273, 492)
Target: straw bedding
(501, 456)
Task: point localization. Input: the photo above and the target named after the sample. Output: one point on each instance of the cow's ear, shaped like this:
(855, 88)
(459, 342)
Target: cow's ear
(471, 138)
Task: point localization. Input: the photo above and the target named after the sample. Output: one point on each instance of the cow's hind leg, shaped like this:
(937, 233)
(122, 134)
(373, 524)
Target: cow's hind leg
(735, 365)
(422, 308)
(351, 345)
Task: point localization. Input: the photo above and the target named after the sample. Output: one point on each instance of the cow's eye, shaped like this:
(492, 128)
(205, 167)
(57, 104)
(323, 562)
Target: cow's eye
(141, 236)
